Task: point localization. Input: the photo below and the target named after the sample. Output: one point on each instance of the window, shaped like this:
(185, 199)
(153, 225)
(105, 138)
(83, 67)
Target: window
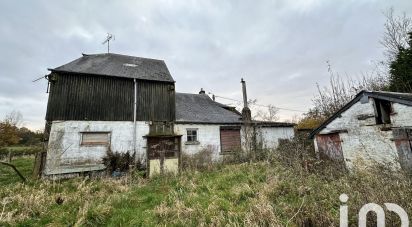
(383, 109)
(95, 138)
(191, 135)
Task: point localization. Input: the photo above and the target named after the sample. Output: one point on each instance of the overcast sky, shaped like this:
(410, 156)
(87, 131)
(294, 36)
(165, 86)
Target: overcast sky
(278, 47)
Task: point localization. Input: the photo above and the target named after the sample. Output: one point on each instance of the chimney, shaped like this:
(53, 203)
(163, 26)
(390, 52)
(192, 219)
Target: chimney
(246, 114)
(202, 91)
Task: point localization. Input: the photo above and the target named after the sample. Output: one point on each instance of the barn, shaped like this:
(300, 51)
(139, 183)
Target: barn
(375, 127)
(118, 103)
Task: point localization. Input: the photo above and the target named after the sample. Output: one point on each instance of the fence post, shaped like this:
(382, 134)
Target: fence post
(9, 157)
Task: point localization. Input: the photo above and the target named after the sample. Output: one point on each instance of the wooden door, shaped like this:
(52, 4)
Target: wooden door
(329, 146)
(403, 143)
(163, 155)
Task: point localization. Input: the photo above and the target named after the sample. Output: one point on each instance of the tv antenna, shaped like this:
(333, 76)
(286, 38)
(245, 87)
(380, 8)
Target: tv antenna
(108, 38)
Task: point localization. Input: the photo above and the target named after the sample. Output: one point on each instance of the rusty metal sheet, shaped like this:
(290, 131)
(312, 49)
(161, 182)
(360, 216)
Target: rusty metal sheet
(330, 147)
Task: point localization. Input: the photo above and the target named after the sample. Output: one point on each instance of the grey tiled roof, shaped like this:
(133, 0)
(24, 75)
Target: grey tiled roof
(119, 66)
(200, 108)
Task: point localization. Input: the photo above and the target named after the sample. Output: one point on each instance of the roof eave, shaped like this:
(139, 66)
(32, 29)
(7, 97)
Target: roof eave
(97, 74)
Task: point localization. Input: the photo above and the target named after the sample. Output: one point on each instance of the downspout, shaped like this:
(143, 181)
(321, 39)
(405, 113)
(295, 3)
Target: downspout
(134, 116)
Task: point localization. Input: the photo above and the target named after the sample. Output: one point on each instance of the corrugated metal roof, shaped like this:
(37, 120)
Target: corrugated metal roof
(119, 66)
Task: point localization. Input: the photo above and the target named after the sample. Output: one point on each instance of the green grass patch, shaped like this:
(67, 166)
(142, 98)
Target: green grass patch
(251, 194)
(9, 176)
(19, 151)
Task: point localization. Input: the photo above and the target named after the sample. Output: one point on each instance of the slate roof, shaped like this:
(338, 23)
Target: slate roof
(200, 108)
(118, 65)
(402, 98)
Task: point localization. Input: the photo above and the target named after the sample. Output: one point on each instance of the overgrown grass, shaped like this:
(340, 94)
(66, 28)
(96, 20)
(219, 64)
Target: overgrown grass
(267, 193)
(23, 164)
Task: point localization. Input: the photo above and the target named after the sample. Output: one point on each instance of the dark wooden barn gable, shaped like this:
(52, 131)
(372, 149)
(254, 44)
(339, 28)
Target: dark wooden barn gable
(103, 98)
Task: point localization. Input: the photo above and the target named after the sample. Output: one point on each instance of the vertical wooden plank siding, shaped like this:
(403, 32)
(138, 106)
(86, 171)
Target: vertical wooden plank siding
(103, 98)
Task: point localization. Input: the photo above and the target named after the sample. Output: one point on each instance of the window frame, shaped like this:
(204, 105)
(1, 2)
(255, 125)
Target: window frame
(196, 136)
(107, 143)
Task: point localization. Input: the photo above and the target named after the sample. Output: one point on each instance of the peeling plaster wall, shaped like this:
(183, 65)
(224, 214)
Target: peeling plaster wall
(207, 135)
(402, 116)
(269, 136)
(65, 154)
(364, 139)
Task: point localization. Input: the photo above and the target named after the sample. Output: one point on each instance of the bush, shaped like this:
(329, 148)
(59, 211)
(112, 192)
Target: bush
(116, 161)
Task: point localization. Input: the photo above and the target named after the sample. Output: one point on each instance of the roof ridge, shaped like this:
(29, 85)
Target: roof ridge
(123, 55)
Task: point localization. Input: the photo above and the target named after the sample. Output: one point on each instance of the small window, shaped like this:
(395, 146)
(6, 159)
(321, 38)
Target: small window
(191, 135)
(383, 109)
(95, 138)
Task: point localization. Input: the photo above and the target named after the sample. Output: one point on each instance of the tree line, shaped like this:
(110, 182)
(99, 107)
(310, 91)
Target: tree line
(12, 134)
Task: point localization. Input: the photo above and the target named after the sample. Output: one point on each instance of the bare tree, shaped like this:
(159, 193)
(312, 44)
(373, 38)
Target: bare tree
(340, 91)
(395, 35)
(14, 118)
(269, 114)
(331, 98)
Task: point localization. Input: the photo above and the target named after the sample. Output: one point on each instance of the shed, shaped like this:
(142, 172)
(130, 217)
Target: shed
(374, 126)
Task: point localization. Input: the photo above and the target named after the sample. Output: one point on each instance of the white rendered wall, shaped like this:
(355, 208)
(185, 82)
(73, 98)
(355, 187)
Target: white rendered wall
(402, 116)
(66, 154)
(207, 135)
(270, 135)
(364, 139)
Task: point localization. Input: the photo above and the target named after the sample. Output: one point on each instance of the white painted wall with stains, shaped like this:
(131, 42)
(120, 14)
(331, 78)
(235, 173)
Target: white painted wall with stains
(363, 138)
(66, 154)
(209, 137)
(270, 136)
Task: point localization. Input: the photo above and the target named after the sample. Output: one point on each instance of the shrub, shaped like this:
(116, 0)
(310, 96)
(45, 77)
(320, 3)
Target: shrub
(116, 161)
(200, 160)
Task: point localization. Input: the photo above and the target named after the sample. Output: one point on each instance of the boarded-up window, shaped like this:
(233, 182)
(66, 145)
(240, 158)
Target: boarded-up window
(95, 138)
(230, 138)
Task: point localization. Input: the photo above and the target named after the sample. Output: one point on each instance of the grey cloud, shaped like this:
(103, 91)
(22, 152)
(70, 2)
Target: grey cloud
(279, 47)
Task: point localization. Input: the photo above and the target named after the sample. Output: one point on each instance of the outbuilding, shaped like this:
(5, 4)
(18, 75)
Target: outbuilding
(375, 126)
